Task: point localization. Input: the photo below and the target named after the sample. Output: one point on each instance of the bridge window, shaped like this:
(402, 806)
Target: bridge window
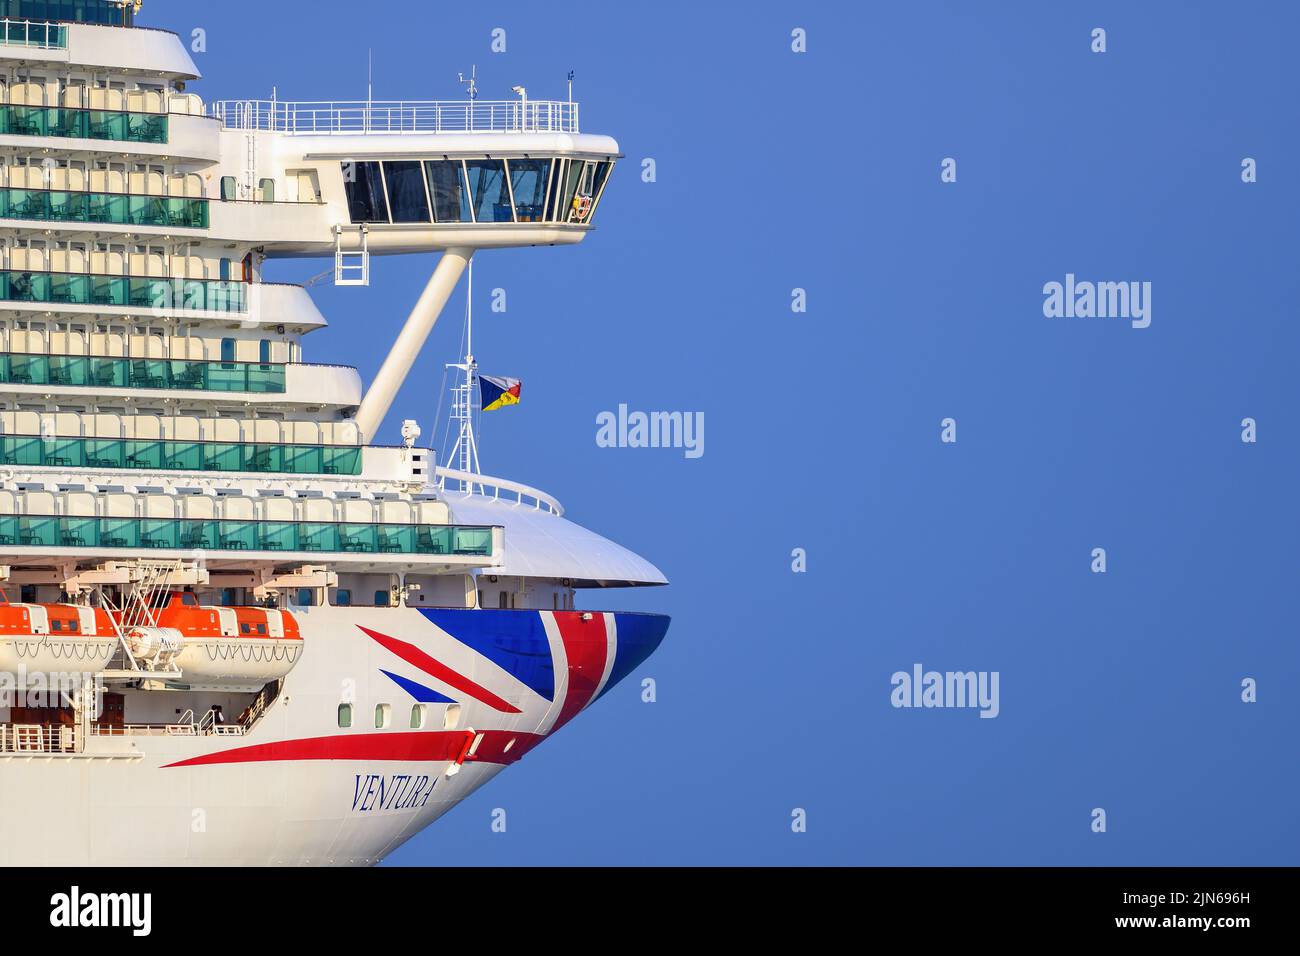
(345, 715)
(528, 178)
(447, 187)
(364, 185)
(406, 196)
(487, 183)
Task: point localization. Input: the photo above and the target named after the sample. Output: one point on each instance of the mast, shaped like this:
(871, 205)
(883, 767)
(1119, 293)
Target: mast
(464, 453)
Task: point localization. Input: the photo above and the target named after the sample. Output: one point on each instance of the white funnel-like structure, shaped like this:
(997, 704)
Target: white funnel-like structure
(379, 398)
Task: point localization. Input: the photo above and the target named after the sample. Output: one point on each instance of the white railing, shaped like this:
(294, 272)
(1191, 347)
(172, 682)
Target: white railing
(37, 739)
(498, 489)
(33, 33)
(412, 116)
(143, 730)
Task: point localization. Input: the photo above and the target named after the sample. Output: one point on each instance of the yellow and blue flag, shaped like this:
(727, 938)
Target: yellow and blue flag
(497, 392)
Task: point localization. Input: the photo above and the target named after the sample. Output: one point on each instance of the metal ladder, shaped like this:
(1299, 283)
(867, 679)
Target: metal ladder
(351, 268)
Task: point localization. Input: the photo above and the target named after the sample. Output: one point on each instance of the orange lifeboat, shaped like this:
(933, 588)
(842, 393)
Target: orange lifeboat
(231, 647)
(54, 637)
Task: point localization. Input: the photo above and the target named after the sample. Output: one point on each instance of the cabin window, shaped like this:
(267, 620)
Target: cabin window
(243, 629)
(227, 350)
(364, 185)
(451, 717)
(228, 188)
(343, 598)
(447, 187)
(56, 625)
(383, 715)
(487, 183)
(227, 597)
(528, 179)
(345, 715)
(418, 712)
(264, 351)
(306, 597)
(503, 600)
(381, 599)
(406, 196)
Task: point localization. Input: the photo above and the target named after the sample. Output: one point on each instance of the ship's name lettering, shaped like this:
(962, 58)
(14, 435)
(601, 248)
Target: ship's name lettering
(378, 791)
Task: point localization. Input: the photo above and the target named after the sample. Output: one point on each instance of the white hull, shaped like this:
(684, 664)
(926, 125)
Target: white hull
(263, 799)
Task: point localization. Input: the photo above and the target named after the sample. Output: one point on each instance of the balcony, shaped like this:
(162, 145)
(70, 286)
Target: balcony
(70, 123)
(182, 534)
(84, 371)
(107, 12)
(408, 116)
(118, 209)
(33, 451)
(33, 33)
(165, 294)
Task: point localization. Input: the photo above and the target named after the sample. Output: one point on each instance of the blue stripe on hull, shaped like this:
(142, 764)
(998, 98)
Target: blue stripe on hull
(639, 635)
(513, 640)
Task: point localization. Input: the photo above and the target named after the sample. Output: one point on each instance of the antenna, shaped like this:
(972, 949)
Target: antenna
(464, 453)
(471, 85)
(370, 84)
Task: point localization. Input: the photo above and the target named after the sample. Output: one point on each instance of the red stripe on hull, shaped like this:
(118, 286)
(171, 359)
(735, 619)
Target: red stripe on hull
(586, 646)
(416, 657)
(428, 745)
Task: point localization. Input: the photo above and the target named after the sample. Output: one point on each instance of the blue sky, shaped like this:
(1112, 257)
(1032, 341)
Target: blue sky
(820, 171)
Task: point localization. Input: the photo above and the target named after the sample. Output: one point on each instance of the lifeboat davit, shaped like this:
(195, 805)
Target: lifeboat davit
(54, 638)
(235, 647)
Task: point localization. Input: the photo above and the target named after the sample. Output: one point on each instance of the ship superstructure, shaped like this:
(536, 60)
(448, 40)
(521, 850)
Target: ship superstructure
(227, 605)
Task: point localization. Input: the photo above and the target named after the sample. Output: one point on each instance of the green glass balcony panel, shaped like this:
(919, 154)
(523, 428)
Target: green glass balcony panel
(223, 457)
(278, 536)
(159, 533)
(24, 32)
(168, 455)
(22, 450)
(144, 454)
(310, 460)
(65, 452)
(105, 453)
(231, 535)
(92, 372)
(184, 455)
(318, 536)
(471, 540)
(113, 125)
(77, 532)
(164, 294)
(263, 458)
(340, 460)
(265, 378)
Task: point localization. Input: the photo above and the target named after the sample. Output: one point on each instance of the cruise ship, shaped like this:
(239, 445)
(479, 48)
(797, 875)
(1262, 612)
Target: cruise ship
(246, 618)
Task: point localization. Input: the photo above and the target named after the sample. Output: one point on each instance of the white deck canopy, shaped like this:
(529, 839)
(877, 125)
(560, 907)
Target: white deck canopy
(539, 544)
